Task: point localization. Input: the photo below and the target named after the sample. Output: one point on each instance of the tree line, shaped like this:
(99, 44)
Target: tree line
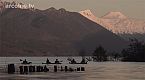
(134, 53)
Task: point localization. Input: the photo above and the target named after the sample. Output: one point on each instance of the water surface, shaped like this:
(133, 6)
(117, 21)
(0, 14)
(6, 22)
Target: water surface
(93, 70)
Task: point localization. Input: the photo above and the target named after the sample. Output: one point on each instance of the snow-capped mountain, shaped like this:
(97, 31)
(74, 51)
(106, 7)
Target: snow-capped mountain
(124, 25)
(88, 14)
(117, 23)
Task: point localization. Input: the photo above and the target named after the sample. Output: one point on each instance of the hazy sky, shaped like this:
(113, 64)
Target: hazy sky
(131, 8)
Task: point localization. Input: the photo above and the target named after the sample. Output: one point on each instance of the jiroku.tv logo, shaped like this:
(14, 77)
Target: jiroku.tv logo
(19, 5)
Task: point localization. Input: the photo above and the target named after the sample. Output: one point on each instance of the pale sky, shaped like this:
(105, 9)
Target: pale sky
(130, 8)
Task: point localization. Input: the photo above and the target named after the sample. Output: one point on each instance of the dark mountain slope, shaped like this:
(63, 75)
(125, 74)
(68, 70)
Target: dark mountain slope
(52, 32)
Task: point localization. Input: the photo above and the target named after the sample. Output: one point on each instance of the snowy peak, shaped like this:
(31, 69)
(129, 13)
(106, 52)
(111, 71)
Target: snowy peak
(124, 25)
(114, 15)
(117, 22)
(86, 12)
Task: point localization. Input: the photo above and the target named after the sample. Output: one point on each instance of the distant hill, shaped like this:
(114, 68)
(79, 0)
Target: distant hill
(52, 32)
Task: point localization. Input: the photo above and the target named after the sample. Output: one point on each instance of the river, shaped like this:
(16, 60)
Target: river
(93, 70)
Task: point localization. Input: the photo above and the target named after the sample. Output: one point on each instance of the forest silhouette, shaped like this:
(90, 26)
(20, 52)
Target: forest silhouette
(134, 53)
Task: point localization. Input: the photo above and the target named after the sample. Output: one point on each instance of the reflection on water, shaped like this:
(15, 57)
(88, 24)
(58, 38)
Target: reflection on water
(94, 71)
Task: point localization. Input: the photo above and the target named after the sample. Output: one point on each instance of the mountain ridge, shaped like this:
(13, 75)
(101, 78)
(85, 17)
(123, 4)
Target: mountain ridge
(52, 33)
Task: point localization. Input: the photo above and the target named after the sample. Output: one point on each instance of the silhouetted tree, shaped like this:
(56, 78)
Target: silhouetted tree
(135, 52)
(99, 54)
(114, 56)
